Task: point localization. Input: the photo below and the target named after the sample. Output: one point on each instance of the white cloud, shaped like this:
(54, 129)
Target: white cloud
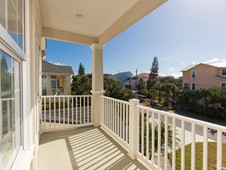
(171, 69)
(193, 62)
(57, 63)
(216, 59)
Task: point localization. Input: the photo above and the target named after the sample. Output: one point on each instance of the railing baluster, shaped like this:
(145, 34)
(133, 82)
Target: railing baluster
(88, 110)
(123, 121)
(76, 112)
(115, 117)
(119, 119)
(54, 111)
(84, 111)
(64, 110)
(142, 132)
(59, 112)
(72, 109)
(68, 111)
(80, 109)
(50, 112)
(114, 121)
(127, 119)
(166, 142)
(159, 139)
(193, 146)
(182, 145)
(153, 137)
(219, 150)
(147, 135)
(205, 148)
(45, 111)
(174, 145)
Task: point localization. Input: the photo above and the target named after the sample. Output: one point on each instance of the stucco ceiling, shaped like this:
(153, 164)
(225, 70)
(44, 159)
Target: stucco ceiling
(86, 17)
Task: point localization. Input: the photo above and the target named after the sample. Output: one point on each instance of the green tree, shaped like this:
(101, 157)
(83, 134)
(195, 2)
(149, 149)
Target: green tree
(81, 70)
(81, 85)
(155, 66)
(168, 89)
(141, 85)
(115, 89)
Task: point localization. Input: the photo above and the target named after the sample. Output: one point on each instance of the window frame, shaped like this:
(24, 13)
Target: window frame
(224, 85)
(17, 59)
(193, 71)
(192, 86)
(222, 72)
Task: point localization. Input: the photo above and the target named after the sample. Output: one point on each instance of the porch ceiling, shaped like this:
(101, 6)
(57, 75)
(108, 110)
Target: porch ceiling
(89, 21)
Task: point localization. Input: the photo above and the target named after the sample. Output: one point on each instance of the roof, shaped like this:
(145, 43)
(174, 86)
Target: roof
(144, 75)
(56, 69)
(219, 64)
(123, 76)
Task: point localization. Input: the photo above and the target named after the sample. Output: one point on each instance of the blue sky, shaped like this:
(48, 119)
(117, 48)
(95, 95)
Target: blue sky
(179, 33)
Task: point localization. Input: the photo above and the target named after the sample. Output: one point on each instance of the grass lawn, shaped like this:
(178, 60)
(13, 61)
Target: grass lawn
(200, 117)
(212, 156)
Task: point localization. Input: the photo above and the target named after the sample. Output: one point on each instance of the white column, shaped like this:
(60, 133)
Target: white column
(97, 81)
(133, 128)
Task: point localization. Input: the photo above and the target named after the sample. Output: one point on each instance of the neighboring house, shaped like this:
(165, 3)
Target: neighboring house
(56, 79)
(123, 76)
(144, 76)
(204, 75)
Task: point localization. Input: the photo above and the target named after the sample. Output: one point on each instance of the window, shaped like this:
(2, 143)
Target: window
(12, 19)
(193, 75)
(44, 76)
(10, 113)
(193, 86)
(223, 72)
(186, 86)
(223, 85)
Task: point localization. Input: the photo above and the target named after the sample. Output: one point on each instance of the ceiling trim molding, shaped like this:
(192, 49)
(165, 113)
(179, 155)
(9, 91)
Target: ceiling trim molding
(134, 14)
(68, 36)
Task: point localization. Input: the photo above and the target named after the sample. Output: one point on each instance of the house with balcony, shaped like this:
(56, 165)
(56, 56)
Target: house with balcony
(56, 79)
(204, 76)
(84, 131)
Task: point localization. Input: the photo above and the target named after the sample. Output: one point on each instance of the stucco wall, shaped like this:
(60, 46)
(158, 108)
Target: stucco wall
(205, 77)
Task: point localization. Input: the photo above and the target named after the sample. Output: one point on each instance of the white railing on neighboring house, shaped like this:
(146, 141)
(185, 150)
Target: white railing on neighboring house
(65, 111)
(153, 136)
(115, 119)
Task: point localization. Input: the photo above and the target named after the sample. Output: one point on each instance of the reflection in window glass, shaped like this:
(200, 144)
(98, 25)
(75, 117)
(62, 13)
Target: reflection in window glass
(12, 19)
(10, 119)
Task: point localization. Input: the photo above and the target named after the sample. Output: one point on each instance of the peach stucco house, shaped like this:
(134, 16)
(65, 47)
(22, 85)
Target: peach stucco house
(204, 75)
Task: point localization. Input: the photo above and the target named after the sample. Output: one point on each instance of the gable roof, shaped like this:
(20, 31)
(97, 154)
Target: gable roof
(143, 75)
(220, 64)
(56, 69)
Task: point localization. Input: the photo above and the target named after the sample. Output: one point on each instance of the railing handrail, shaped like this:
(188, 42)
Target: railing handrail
(113, 99)
(48, 96)
(184, 118)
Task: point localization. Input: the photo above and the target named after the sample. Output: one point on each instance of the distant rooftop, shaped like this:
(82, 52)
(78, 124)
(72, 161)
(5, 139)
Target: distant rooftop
(219, 64)
(56, 69)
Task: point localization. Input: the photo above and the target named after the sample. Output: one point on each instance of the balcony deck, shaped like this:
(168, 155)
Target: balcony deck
(83, 148)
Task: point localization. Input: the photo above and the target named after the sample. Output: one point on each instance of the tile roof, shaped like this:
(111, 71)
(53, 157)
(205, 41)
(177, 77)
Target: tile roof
(56, 69)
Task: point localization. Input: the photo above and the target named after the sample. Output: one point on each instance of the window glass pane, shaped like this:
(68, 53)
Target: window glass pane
(2, 12)
(12, 19)
(53, 84)
(10, 118)
(223, 71)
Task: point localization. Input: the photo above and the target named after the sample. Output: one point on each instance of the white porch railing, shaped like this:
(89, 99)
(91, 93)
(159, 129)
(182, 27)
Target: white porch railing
(115, 119)
(152, 135)
(66, 111)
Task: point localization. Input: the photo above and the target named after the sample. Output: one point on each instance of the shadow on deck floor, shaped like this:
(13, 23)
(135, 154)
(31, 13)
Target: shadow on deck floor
(83, 148)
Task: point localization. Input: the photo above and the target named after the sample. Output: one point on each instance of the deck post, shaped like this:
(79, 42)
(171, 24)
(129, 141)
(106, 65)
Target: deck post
(97, 82)
(133, 128)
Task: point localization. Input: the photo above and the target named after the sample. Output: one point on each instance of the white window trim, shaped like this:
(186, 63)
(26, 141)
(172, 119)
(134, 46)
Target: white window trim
(192, 72)
(222, 71)
(11, 45)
